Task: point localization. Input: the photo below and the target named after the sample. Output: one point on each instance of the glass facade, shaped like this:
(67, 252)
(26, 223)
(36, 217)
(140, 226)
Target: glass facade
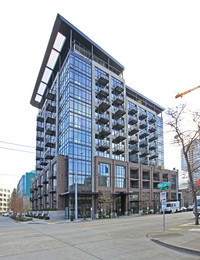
(160, 141)
(75, 120)
(104, 174)
(120, 176)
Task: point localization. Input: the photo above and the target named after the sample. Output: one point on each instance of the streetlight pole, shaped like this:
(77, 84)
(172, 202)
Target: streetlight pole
(76, 190)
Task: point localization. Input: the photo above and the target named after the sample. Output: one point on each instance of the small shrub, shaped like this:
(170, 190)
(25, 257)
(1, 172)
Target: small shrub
(46, 217)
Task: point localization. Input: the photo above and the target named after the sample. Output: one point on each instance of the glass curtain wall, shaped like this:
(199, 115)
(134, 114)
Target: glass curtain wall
(75, 123)
(160, 141)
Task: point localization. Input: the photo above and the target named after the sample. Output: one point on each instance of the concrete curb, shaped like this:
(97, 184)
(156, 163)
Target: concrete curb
(178, 248)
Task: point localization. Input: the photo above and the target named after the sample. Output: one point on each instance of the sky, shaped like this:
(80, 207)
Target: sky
(157, 41)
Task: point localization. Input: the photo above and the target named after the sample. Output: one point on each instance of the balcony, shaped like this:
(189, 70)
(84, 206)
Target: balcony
(102, 80)
(104, 131)
(118, 100)
(40, 127)
(43, 162)
(133, 130)
(102, 92)
(142, 115)
(52, 175)
(132, 120)
(51, 130)
(118, 88)
(153, 137)
(133, 149)
(39, 146)
(132, 110)
(51, 96)
(152, 128)
(49, 154)
(118, 124)
(38, 155)
(39, 166)
(103, 105)
(50, 141)
(51, 106)
(40, 185)
(45, 193)
(40, 118)
(144, 152)
(50, 118)
(103, 119)
(143, 133)
(153, 155)
(143, 124)
(119, 137)
(119, 112)
(152, 146)
(119, 149)
(133, 139)
(152, 119)
(144, 161)
(143, 143)
(52, 190)
(40, 136)
(103, 145)
(45, 181)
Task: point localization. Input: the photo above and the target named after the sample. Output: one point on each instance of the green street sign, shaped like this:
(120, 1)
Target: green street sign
(163, 189)
(164, 184)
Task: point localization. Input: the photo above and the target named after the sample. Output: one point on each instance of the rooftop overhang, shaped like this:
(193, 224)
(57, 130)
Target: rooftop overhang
(59, 43)
(144, 100)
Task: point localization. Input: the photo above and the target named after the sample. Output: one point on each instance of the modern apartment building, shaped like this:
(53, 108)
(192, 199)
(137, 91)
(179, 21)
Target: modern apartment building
(194, 159)
(4, 200)
(93, 131)
(24, 185)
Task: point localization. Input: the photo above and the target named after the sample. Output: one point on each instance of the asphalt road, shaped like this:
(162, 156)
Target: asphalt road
(120, 238)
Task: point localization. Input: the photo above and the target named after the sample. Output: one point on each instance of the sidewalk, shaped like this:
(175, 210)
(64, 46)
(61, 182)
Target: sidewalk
(184, 237)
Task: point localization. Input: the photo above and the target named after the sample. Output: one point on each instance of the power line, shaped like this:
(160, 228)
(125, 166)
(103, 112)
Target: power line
(16, 150)
(17, 144)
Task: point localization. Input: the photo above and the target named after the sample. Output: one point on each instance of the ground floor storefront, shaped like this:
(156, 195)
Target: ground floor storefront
(107, 205)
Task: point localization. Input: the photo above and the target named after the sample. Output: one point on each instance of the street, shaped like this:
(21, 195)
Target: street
(119, 238)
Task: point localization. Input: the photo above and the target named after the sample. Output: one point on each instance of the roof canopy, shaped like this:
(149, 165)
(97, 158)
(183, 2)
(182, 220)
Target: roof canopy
(62, 35)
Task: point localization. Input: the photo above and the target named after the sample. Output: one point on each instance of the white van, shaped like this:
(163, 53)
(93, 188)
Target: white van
(172, 206)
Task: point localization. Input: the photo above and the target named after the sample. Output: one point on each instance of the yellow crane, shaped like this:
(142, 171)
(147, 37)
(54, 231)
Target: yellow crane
(188, 91)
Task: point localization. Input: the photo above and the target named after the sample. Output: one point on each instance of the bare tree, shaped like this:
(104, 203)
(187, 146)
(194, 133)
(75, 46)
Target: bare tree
(105, 200)
(13, 199)
(16, 202)
(179, 120)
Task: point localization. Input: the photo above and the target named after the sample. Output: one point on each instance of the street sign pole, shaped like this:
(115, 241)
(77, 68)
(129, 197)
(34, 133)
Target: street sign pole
(163, 219)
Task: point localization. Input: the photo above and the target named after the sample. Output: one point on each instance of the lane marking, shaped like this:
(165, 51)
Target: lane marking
(113, 222)
(15, 232)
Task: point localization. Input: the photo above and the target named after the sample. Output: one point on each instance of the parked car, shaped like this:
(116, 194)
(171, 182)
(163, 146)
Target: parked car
(8, 214)
(183, 209)
(190, 207)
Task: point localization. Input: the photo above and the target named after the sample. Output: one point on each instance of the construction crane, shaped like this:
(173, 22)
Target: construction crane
(188, 91)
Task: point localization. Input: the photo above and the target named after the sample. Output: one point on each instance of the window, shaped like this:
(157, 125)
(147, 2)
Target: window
(104, 174)
(120, 176)
(173, 181)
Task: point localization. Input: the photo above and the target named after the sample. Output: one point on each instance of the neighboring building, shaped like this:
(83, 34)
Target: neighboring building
(4, 200)
(92, 124)
(194, 159)
(24, 185)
